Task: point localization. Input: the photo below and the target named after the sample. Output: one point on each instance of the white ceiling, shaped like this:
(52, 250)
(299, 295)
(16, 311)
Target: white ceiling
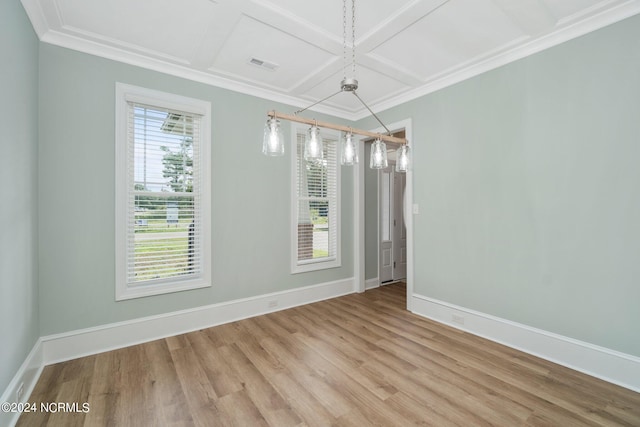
(404, 48)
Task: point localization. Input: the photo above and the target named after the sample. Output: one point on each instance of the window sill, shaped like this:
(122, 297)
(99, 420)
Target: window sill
(315, 265)
(140, 291)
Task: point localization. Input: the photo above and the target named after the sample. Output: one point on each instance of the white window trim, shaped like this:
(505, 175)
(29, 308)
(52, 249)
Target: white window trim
(323, 263)
(128, 93)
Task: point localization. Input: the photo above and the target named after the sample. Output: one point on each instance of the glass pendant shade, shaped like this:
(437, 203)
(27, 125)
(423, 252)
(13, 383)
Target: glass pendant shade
(378, 155)
(273, 142)
(313, 145)
(349, 155)
(403, 160)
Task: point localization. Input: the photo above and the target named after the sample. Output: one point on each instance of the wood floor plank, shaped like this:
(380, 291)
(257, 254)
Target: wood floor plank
(103, 393)
(468, 356)
(271, 405)
(212, 359)
(358, 394)
(326, 396)
(379, 387)
(240, 410)
(425, 412)
(166, 391)
(357, 360)
(200, 396)
(298, 397)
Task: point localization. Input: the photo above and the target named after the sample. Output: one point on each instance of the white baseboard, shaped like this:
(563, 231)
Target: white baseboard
(371, 283)
(27, 376)
(85, 342)
(600, 362)
(609, 365)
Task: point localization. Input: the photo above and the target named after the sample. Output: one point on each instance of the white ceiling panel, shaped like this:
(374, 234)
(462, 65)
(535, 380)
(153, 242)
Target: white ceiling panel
(168, 27)
(294, 58)
(449, 36)
(532, 16)
(327, 14)
(404, 48)
(565, 8)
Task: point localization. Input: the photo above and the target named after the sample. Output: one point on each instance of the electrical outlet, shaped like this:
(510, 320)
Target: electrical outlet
(273, 304)
(20, 392)
(457, 319)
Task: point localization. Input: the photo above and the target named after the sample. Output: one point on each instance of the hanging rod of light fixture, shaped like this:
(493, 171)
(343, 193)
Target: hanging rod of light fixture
(273, 143)
(348, 129)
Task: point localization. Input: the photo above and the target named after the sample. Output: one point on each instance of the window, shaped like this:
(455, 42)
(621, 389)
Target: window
(315, 206)
(162, 192)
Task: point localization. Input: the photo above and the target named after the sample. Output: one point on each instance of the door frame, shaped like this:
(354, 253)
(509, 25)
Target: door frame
(359, 214)
(392, 207)
(399, 185)
(397, 230)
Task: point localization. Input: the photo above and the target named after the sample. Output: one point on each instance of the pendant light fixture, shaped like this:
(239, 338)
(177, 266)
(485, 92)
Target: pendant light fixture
(403, 159)
(273, 142)
(378, 155)
(313, 149)
(349, 153)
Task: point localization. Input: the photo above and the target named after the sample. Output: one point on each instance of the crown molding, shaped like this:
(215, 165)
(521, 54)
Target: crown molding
(573, 27)
(120, 55)
(566, 33)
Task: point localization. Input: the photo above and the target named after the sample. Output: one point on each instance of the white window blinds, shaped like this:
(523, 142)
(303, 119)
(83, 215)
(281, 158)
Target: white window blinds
(316, 204)
(164, 205)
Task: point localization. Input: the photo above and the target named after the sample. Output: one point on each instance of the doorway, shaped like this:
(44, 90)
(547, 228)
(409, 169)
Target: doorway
(392, 234)
(366, 214)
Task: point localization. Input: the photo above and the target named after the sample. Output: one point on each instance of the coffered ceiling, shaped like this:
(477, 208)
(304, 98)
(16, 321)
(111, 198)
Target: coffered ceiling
(292, 50)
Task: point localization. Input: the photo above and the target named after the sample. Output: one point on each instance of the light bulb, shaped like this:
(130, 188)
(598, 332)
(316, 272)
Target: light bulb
(403, 159)
(313, 145)
(349, 153)
(273, 142)
(378, 155)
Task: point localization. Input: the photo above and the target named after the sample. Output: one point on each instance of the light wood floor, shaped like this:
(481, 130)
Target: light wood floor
(354, 361)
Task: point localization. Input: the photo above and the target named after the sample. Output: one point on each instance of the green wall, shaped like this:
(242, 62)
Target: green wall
(528, 184)
(250, 197)
(18, 192)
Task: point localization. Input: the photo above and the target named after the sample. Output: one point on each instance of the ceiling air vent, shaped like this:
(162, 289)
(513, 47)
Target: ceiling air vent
(263, 64)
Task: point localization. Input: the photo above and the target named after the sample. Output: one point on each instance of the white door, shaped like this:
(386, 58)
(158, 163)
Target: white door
(386, 225)
(399, 244)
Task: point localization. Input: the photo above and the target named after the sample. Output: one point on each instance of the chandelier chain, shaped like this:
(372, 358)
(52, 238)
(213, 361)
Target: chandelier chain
(353, 37)
(344, 39)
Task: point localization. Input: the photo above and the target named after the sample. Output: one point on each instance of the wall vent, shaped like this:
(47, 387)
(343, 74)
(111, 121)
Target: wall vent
(263, 64)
